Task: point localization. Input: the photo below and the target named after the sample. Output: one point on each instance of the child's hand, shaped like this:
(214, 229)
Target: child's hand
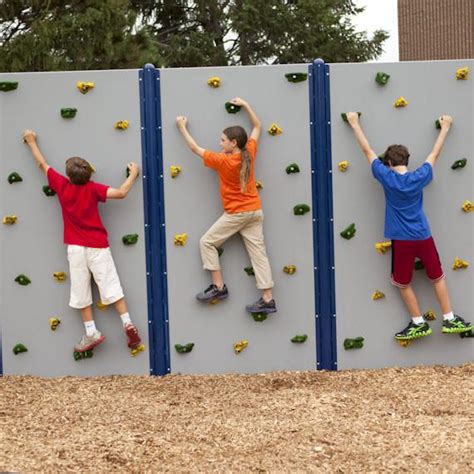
(352, 118)
(29, 136)
(238, 101)
(446, 121)
(181, 121)
(134, 170)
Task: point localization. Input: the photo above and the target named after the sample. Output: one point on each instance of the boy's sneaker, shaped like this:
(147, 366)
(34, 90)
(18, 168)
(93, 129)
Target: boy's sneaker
(414, 331)
(132, 334)
(212, 293)
(456, 326)
(89, 342)
(261, 306)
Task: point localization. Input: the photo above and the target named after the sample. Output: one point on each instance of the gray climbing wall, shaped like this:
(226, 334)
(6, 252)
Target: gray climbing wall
(193, 204)
(33, 245)
(431, 90)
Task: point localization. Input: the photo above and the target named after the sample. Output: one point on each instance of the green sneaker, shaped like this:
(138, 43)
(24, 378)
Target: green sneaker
(414, 331)
(456, 326)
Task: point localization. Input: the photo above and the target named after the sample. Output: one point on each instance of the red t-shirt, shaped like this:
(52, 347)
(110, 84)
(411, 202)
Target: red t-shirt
(82, 223)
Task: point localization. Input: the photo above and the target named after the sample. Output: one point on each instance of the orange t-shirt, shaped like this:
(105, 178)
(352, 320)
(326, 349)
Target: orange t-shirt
(227, 166)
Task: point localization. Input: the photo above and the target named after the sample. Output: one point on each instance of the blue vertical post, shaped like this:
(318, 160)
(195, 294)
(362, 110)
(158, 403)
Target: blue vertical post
(323, 236)
(154, 207)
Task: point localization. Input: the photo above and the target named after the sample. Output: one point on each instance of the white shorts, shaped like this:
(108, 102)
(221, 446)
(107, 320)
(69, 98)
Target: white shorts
(82, 262)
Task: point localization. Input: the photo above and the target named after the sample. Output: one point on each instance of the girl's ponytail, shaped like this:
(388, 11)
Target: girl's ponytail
(238, 134)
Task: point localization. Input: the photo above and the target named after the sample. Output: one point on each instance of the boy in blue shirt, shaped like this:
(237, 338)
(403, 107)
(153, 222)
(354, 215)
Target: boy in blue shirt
(406, 224)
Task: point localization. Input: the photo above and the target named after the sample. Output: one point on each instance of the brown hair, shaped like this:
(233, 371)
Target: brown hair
(78, 170)
(238, 134)
(396, 155)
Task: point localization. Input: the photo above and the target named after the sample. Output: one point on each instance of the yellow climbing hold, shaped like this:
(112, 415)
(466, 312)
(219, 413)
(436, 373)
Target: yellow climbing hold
(258, 184)
(430, 315)
(383, 247)
(92, 168)
(59, 276)
(289, 269)
(175, 170)
(343, 165)
(9, 220)
(101, 306)
(462, 73)
(54, 323)
(121, 125)
(459, 264)
(214, 82)
(400, 102)
(274, 129)
(84, 87)
(240, 346)
(467, 206)
(377, 295)
(180, 239)
(137, 350)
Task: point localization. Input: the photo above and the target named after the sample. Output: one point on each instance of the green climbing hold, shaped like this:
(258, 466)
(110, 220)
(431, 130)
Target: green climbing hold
(83, 355)
(7, 86)
(19, 348)
(301, 209)
(232, 108)
(249, 271)
(68, 113)
(348, 232)
(459, 164)
(292, 168)
(418, 265)
(220, 251)
(22, 280)
(130, 239)
(14, 178)
(356, 343)
(382, 78)
(299, 338)
(48, 191)
(344, 116)
(438, 124)
(467, 334)
(259, 317)
(183, 349)
(296, 76)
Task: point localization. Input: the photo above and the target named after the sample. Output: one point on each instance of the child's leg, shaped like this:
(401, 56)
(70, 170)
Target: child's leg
(409, 298)
(441, 290)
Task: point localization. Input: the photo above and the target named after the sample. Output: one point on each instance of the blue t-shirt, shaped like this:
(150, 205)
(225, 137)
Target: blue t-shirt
(404, 216)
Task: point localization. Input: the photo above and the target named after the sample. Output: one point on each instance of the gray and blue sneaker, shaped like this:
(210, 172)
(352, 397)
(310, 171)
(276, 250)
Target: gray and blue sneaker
(261, 306)
(212, 293)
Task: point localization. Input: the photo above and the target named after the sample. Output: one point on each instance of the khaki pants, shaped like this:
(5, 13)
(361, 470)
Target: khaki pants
(250, 227)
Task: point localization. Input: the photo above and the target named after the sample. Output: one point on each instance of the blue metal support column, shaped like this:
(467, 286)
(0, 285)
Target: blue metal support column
(323, 235)
(154, 207)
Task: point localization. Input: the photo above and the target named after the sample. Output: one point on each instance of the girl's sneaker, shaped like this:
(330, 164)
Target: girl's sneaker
(261, 306)
(132, 334)
(212, 293)
(456, 326)
(414, 331)
(89, 342)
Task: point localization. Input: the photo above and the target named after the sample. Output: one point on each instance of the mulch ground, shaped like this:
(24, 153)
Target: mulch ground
(409, 420)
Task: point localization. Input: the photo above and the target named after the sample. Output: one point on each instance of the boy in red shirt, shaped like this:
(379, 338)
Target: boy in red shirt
(86, 237)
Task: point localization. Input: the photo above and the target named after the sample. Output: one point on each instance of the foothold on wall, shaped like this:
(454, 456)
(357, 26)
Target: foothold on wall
(48, 191)
(466, 334)
(183, 349)
(348, 232)
(54, 323)
(9, 220)
(377, 295)
(289, 269)
(130, 239)
(383, 247)
(301, 209)
(462, 73)
(274, 129)
(259, 317)
(344, 116)
(459, 264)
(214, 82)
(7, 86)
(418, 265)
(343, 165)
(68, 113)
(136, 350)
(83, 355)
(220, 251)
(296, 76)
(400, 102)
(101, 305)
(459, 164)
(232, 108)
(292, 168)
(299, 338)
(84, 87)
(240, 346)
(430, 315)
(14, 178)
(382, 78)
(467, 206)
(121, 125)
(175, 170)
(438, 124)
(249, 271)
(356, 343)
(180, 239)
(22, 280)
(258, 184)
(59, 276)
(19, 348)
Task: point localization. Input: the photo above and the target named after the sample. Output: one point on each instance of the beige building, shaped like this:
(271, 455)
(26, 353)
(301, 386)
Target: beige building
(435, 29)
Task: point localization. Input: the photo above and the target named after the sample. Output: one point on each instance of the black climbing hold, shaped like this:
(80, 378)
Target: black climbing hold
(296, 76)
(14, 178)
(182, 349)
(68, 112)
(382, 78)
(418, 265)
(467, 334)
(344, 116)
(220, 251)
(459, 164)
(130, 239)
(259, 317)
(292, 168)
(249, 271)
(348, 232)
(22, 280)
(438, 124)
(232, 108)
(301, 209)
(356, 343)
(48, 191)
(83, 355)
(19, 348)
(299, 338)
(7, 86)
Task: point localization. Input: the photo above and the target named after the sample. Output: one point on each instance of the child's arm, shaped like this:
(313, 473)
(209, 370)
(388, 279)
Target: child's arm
(29, 137)
(121, 193)
(181, 123)
(353, 119)
(445, 121)
(256, 124)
